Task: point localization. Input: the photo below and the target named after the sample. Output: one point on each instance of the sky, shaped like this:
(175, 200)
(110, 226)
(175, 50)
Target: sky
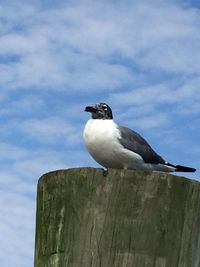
(56, 57)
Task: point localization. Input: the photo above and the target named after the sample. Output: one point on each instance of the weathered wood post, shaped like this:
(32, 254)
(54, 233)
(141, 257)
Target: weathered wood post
(126, 219)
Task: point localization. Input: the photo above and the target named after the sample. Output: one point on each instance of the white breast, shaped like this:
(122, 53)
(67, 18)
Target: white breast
(102, 141)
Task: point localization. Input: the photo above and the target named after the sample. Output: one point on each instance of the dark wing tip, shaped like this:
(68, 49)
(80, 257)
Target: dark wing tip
(180, 168)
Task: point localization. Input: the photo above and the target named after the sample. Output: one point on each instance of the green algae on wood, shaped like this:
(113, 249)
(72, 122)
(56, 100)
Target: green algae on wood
(124, 219)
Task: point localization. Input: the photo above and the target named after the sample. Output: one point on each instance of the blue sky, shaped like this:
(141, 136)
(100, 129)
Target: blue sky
(56, 57)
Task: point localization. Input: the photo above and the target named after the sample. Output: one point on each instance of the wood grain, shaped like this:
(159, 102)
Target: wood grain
(126, 219)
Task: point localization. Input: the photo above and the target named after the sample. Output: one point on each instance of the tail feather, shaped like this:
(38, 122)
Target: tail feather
(179, 168)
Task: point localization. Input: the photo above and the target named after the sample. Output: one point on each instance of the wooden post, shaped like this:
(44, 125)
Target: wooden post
(124, 219)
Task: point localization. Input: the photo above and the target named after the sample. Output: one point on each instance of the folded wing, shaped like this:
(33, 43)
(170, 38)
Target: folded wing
(136, 143)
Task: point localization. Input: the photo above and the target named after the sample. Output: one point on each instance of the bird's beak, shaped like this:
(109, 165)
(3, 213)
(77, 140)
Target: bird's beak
(90, 109)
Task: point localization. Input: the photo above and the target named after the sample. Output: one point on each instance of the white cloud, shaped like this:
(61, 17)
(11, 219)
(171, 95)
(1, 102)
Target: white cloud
(17, 225)
(23, 105)
(181, 96)
(22, 166)
(140, 96)
(87, 46)
(152, 121)
(51, 130)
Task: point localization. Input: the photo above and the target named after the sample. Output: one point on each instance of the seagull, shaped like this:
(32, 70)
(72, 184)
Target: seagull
(118, 147)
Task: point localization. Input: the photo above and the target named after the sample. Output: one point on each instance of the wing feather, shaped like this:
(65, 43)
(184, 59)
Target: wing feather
(136, 143)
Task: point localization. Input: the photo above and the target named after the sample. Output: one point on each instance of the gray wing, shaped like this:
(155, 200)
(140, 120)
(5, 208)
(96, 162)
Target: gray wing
(136, 143)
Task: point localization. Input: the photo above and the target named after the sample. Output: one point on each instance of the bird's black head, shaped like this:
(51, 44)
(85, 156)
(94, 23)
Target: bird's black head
(100, 111)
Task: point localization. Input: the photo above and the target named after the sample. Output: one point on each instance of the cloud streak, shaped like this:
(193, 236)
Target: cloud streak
(97, 45)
